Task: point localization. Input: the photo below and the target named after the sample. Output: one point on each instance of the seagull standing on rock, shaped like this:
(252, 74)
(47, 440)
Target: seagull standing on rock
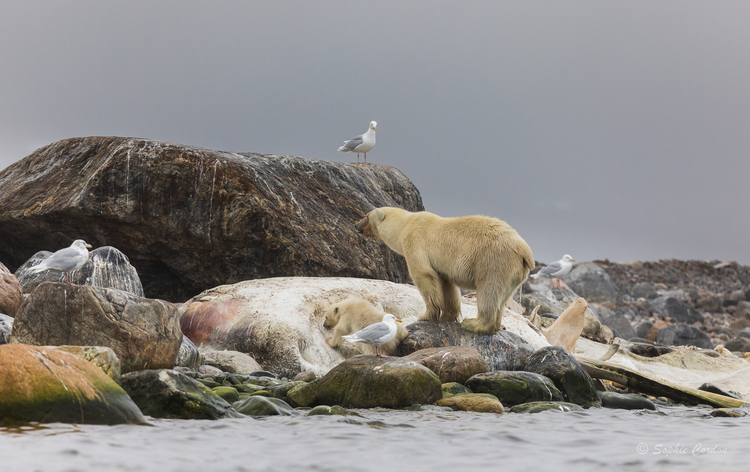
(66, 260)
(362, 143)
(376, 334)
(556, 269)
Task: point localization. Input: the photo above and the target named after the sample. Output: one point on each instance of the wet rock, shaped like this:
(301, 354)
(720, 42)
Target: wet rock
(144, 333)
(513, 388)
(370, 381)
(46, 385)
(728, 413)
(709, 387)
(11, 293)
(190, 219)
(538, 407)
(454, 388)
(305, 376)
(326, 410)
(502, 351)
(107, 267)
(626, 401)
(100, 356)
(303, 395)
(169, 394)
(738, 344)
(684, 335)
(592, 283)
(477, 402)
(671, 307)
(6, 326)
(231, 361)
(451, 364)
(188, 355)
(568, 375)
(228, 394)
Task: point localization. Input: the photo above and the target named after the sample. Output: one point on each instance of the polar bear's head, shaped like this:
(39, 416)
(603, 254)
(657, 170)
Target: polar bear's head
(368, 226)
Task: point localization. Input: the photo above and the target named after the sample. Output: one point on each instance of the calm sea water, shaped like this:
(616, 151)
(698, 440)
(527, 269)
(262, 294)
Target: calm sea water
(673, 439)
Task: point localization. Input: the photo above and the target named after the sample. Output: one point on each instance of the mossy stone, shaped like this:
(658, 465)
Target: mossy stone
(229, 394)
(256, 405)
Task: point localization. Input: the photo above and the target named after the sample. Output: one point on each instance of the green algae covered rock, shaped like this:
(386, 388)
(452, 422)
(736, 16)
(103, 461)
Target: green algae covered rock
(169, 394)
(257, 405)
(46, 385)
(538, 407)
(557, 364)
(514, 388)
(454, 388)
(477, 402)
(230, 394)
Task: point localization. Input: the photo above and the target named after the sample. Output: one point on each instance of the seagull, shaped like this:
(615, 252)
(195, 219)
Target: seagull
(376, 334)
(556, 269)
(66, 260)
(362, 143)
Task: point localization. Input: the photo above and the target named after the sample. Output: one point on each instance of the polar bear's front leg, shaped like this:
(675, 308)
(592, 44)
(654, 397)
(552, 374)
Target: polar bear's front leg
(429, 287)
(451, 301)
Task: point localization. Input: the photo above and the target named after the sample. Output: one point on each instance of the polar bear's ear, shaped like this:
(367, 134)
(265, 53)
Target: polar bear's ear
(336, 310)
(379, 214)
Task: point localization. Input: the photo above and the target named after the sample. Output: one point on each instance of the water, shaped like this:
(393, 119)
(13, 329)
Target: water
(384, 440)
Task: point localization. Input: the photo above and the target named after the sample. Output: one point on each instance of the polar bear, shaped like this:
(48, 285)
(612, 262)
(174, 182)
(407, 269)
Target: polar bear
(442, 254)
(349, 316)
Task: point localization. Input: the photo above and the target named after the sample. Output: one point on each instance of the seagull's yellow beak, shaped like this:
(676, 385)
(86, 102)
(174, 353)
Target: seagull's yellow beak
(572, 260)
(89, 246)
(399, 320)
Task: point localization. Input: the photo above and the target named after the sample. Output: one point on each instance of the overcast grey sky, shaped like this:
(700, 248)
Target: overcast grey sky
(615, 130)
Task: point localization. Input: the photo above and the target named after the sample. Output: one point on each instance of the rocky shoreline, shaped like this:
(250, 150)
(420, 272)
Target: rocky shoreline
(250, 250)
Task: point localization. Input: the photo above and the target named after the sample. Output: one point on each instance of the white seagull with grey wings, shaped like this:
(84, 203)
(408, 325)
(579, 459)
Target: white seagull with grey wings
(556, 269)
(376, 334)
(66, 260)
(362, 143)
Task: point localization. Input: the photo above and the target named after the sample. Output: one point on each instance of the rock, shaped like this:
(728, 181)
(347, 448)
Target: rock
(569, 377)
(590, 327)
(100, 356)
(228, 394)
(743, 310)
(513, 388)
(737, 296)
(738, 344)
(11, 293)
(305, 376)
(642, 305)
(644, 290)
(6, 326)
(617, 321)
(168, 394)
(604, 335)
(538, 407)
(626, 401)
(46, 385)
(728, 413)
(326, 410)
(653, 333)
(710, 302)
(231, 361)
(480, 403)
(454, 388)
(502, 351)
(451, 364)
(144, 333)
(209, 370)
(709, 387)
(178, 210)
(370, 381)
(592, 283)
(671, 307)
(188, 355)
(107, 267)
(684, 335)
(303, 394)
(642, 329)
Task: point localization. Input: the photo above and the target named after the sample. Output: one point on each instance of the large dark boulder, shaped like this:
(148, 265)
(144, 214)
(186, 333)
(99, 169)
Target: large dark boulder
(684, 335)
(514, 388)
(190, 219)
(557, 364)
(670, 307)
(591, 282)
(502, 351)
(169, 394)
(107, 267)
(47, 385)
(616, 321)
(144, 333)
(738, 344)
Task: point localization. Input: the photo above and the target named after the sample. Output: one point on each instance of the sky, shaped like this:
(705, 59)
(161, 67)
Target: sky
(617, 130)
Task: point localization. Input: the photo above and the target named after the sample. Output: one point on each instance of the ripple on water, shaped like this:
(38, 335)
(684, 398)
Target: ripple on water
(385, 440)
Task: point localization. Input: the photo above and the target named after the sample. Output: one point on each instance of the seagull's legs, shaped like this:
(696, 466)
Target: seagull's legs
(379, 352)
(365, 158)
(357, 158)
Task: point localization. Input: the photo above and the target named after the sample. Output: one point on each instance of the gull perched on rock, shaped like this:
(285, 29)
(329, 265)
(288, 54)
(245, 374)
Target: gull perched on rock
(65, 260)
(362, 143)
(556, 269)
(376, 334)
